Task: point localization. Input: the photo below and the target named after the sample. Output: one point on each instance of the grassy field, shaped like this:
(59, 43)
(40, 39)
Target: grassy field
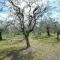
(42, 48)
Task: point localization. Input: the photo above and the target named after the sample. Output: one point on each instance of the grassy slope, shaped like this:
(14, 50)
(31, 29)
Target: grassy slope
(42, 48)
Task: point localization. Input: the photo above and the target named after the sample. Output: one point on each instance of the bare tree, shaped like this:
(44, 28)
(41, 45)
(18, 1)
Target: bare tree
(57, 28)
(48, 31)
(1, 29)
(0, 35)
(28, 21)
(49, 25)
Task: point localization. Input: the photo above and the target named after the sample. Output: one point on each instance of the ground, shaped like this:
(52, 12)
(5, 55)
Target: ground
(42, 48)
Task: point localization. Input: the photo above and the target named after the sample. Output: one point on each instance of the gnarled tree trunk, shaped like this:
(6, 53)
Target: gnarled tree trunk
(48, 32)
(0, 35)
(58, 35)
(27, 41)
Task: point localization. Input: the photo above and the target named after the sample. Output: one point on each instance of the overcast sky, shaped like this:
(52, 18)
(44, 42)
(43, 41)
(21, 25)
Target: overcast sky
(53, 12)
(55, 8)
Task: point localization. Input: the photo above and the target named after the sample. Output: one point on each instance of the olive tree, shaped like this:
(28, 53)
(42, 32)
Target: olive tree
(57, 28)
(28, 13)
(1, 29)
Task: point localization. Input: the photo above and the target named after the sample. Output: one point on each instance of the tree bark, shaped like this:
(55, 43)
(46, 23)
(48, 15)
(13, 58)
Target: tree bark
(48, 32)
(57, 35)
(0, 35)
(27, 41)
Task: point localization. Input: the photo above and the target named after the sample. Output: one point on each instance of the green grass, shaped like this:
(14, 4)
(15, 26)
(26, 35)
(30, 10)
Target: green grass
(10, 41)
(42, 47)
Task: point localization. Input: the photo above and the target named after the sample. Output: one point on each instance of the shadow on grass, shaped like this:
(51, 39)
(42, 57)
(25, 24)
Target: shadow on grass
(2, 39)
(48, 39)
(41, 37)
(46, 36)
(53, 41)
(21, 54)
(57, 40)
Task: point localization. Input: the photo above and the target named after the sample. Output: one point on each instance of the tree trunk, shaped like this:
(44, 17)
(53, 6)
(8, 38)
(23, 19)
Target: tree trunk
(0, 36)
(48, 32)
(57, 35)
(27, 41)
